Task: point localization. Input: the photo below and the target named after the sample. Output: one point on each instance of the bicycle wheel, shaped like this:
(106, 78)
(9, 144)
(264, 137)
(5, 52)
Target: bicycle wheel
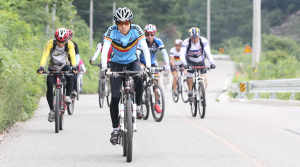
(184, 91)
(175, 98)
(108, 91)
(129, 132)
(71, 107)
(160, 102)
(202, 101)
(145, 102)
(78, 88)
(57, 109)
(101, 92)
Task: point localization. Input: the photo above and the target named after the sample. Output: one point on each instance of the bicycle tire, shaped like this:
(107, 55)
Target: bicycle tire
(145, 102)
(78, 88)
(175, 98)
(71, 107)
(129, 132)
(108, 94)
(194, 105)
(61, 121)
(100, 92)
(154, 113)
(202, 103)
(184, 91)
(57, 109)
(124, 143)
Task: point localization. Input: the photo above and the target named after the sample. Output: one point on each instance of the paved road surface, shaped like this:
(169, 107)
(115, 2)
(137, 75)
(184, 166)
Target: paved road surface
(231, 134)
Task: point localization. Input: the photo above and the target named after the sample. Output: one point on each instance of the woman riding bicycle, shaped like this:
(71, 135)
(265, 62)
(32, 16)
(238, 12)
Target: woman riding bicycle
(58, 48)
(123, 37)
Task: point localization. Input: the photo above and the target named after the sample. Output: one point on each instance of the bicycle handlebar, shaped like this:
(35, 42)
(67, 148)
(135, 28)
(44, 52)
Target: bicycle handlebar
(117, 74)
(57, 73)
(99, 65)
(198, 67)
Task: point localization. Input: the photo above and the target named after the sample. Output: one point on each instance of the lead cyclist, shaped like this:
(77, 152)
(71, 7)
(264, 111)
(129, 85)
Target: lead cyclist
(191, 53)
(123, 37)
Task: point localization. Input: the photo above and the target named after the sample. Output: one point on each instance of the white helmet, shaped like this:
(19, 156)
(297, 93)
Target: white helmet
(123, 14)
(150, 28)
(178, 42)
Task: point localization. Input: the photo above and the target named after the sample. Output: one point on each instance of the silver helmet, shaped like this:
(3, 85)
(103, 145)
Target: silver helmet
(123, 14)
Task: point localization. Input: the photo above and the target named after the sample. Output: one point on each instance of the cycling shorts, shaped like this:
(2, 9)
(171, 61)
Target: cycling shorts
(191, 72)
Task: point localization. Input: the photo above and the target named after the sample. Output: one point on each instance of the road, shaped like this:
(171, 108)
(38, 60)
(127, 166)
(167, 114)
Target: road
(231, 134)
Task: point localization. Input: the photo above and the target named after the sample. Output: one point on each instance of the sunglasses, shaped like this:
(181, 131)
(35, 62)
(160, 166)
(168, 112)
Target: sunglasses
(147, 34)
(123, 23)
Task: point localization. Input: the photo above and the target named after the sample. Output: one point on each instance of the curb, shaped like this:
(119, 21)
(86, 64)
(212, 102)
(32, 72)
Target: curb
(274, 102)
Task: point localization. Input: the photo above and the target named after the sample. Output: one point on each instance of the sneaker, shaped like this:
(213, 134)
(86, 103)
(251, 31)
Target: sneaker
(74, 93)
(68, 100)
(51, 116)
(157, 108)
(139, 113)
(176, 93)
(190, 94)
(114, 137)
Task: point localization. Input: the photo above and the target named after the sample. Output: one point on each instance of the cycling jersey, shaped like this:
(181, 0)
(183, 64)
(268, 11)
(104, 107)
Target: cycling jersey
(124, 46)
(174, 53)
(157, 44)
(194, 54)
(59, 56)
(99, 49)
(81, 66)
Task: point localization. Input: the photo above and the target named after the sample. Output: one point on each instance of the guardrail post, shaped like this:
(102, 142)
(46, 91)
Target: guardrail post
(293, 95)
(273, 96)
(256, 96)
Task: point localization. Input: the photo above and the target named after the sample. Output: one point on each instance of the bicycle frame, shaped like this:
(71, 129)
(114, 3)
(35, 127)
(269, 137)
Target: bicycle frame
(197, 79)
(150, 82)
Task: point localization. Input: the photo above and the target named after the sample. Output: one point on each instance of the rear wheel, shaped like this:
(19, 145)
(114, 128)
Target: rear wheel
(78, 88)
(175, 98)
(202, 102)
(184, 91)
(160, 102)
(57, 109)
(129, 132)
(101, 92)
(194, 105)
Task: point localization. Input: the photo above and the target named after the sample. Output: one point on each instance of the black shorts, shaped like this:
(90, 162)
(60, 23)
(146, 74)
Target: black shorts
(201, 63)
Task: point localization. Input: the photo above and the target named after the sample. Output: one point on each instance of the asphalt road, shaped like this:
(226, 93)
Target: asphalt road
(231, 134)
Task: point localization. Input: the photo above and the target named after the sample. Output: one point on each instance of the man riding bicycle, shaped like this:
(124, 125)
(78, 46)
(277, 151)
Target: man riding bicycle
(98, 50)
(77, 56)
(153, 43)
(58, 48)
(191, 53)
(175, 62)
(81, 68)
(123, 37)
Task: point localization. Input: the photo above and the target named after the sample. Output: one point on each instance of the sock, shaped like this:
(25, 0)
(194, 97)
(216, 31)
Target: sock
(115, 129)
(138, 108)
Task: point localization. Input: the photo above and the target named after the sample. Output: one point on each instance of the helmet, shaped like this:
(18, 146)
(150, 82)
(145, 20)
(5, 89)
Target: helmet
(150, 28)
(123, 14)
(194, 32)
(178, 42)
(70, 32)
(61, 34)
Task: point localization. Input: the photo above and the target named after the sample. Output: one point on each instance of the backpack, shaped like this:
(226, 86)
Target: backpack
(189, 46)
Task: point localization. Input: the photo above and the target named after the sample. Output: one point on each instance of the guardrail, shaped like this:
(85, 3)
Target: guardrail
(226, 57)
(267, 86)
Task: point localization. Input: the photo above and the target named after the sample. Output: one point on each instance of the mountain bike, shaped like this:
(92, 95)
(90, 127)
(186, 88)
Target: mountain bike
(153, 95)
(59, 95)
(199, 100)
(103, 88)
(127, 111)
(182, 87)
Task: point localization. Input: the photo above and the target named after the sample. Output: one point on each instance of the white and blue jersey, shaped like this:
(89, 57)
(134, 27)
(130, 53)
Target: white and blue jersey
(124, 46)
(157, 44)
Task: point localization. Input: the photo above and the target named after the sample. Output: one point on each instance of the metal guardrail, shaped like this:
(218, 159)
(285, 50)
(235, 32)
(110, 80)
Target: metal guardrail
(221, 57)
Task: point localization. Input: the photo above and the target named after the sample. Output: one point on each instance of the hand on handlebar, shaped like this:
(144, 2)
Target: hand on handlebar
(40, 70)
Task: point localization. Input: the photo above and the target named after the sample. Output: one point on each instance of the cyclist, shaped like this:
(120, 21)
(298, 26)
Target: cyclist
(153, 43)
(191, 53)
(175, 61)
(81, 67)
(123, 37)
(98, 50)
(58, 48)
(75, 76)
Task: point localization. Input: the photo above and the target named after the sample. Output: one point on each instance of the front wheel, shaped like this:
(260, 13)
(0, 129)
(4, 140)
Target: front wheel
(175, 98)
(158, 108)
(78, 88)
(71, 107)
(145, 102)
(184, 91)
(129, 132)
(57, 109)
(101, 90)
(108, 92)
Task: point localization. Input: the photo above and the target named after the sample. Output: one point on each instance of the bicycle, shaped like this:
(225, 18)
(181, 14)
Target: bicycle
(127, 111)
(199, 100)
(59, 105)
(79, 84)
(182, 87)
(150, 98)
(103, 88)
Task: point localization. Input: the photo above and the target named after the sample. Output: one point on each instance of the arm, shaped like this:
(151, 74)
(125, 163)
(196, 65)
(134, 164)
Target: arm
(208, 54)
(83, 67)
(98, 49)
(72, 54)
(77, 58)
(104, 53)
(182, 54)
(146, 52)
(46, 52)
(138, 52)
(165, 54)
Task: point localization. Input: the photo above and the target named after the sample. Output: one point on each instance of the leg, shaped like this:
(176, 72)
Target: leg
(75, 77)
(50, 82)
(205, 80)
(70, 80)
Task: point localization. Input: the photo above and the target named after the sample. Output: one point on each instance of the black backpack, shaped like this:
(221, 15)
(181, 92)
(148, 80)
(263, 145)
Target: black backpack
(189, 46)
